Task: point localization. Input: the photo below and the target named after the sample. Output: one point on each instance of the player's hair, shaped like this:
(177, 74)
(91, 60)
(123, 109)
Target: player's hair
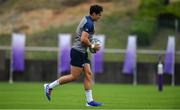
(95, 9)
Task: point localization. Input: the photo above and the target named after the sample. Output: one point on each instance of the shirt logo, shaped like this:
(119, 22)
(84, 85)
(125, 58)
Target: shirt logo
(86, 29)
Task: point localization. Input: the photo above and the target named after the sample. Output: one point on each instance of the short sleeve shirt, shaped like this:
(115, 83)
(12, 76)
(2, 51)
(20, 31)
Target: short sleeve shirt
(87, 25)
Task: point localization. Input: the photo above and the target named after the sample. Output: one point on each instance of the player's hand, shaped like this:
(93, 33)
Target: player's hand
(97, 47)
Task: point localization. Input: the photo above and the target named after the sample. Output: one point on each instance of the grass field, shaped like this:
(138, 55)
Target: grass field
(72, 96)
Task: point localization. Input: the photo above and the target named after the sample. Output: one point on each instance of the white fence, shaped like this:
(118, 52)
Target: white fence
(107, 50)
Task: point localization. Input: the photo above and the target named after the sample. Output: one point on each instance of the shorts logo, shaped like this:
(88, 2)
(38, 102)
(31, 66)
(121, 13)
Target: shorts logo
(86, 29)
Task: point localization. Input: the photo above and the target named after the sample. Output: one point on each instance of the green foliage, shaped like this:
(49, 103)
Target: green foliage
(116, 28)
(145, 30)
(145, 24)
(174, 8)
(49, 36)
(5, 39)
(151, 4)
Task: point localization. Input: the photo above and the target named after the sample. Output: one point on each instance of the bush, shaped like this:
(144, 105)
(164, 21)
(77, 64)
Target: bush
(151, 4)
(5, 39)
(173, 8)
(145, 24)
(145, 30)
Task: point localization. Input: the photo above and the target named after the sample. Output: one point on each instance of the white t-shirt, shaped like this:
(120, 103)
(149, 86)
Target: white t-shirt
(160, 68)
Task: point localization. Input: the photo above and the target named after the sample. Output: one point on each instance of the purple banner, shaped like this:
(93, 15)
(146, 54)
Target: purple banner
(130, 58)
(97, 59)
(64, 53)
(170, 56)
(18, 47)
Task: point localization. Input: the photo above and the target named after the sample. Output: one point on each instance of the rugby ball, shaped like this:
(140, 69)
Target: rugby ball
(94, 41)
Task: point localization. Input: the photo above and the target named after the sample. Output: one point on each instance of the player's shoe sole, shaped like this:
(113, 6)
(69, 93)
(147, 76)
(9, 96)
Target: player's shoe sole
(94, 104)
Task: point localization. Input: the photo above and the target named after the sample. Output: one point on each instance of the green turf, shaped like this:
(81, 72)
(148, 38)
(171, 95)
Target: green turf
(72, 96)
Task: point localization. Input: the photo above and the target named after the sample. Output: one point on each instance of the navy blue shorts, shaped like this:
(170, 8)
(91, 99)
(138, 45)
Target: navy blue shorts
(78, 58)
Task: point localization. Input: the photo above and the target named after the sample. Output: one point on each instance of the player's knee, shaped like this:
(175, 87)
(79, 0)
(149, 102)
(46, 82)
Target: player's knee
(88, 75)
(73, 77)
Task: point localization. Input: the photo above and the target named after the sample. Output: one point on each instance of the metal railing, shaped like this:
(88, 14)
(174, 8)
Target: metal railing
(107, 50)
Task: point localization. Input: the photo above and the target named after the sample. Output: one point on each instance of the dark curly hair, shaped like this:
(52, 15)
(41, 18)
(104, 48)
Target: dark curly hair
(95, 9)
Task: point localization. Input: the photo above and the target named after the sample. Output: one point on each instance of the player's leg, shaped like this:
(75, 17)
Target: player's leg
(75, 72)
(76, 69)
(88, 86)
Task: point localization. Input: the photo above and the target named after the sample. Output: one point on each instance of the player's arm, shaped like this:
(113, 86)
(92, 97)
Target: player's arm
(85, 41)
